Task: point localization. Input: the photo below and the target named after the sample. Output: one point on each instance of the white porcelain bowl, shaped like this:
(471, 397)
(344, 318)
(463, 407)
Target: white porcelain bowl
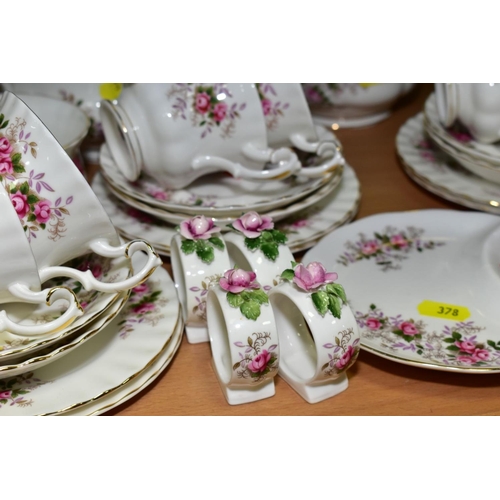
(353, 104)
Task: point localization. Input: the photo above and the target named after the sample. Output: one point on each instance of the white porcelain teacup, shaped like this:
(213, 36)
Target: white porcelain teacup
(85, 96)
(255, 244)
(199, 259)
(475, 105)
(243, 337)
(19, 279)
(61, 216)
(318, 334)
(179, 132)
(289, 123)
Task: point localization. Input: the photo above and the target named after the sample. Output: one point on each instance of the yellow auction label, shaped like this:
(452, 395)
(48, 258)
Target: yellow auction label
(110, 91)
(443, 310)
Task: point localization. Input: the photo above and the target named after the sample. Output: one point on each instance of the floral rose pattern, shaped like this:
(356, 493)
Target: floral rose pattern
(344, 354)
(256, 362)
(143, 306)
(388, 248)
(455, 345)
(14, 389)
(272, 107)
(28, 190)
(209, 106)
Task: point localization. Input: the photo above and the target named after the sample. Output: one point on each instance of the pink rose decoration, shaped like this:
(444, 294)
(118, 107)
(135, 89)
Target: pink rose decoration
(202, 104)
(259, 363)
(313, 276)
(399, 240)
(219, 111)
(313, 95)
(252, 224)
(42, 211)
(5, 165)
(465, 359)
(237, 280)
(466, 346)
(345, 358)
(144, 308)
(20, 202)
(5, 394)
(198, 228)
(480, 355)
(370, 247)
(141, 289)
(373, 324)
(409, 328)
(266, 106)
(5, 147)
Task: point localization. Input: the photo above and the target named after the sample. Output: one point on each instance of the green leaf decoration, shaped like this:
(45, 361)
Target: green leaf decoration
(18, 168)
(321, 302)
(288, 274)
(205, 253)
(32, 199)
(16, 158)
(266, 235)
(456, 336)
(188, 246)
(279, 237)
(270, 250)
(250, 309)
(294, 264)
(338, 290)
(250, 341)
(31, 217)
(450, 340)
(234, 299)
(24, 188)
(253, 243)
(260, 296)
(373, 307)
(217, 242)
(334, 305)
(453, 348)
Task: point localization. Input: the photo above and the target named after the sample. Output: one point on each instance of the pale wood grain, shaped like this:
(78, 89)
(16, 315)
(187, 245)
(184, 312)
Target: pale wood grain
(376, 386)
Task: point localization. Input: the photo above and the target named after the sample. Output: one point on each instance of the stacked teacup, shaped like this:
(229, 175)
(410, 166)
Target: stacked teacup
(263, 313)
(52, 224)
(463, 120)
(173, 150)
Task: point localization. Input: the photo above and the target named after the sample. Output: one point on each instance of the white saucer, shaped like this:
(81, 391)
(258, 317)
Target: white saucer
(66, 345)
(132, 388)
(93, 302)
(99, 184)
(445, 257)
(217, 195)
(438, 173)
(120, 353)
(303, 229)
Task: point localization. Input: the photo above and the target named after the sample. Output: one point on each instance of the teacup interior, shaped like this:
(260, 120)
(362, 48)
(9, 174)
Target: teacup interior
(219, 338)
(297, 348)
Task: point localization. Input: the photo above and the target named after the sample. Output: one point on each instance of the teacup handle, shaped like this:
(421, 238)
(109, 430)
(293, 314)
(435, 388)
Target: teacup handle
(286, 159)
(330, 150)
(100, 247)
(48, 297)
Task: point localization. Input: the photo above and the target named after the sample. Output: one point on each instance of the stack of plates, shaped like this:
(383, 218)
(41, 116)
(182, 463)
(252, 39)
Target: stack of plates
(118, 346)
(450, 163)
(305, 209)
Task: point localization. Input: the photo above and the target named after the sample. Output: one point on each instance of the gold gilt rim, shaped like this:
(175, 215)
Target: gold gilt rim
(150, 379)
(434, 366)
(126, 381)
(80, 340)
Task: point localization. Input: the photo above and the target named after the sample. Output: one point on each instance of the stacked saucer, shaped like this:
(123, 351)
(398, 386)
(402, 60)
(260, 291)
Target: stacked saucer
(448, 162)
(82, 313)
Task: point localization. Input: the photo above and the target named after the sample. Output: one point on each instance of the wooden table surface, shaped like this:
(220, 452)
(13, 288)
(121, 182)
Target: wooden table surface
(376, 386)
